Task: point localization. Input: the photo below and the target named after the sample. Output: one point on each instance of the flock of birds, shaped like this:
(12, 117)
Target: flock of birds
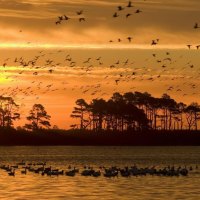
(120, 71)
(177, 72)
(62, 18)
(42, 169)
(127, 15)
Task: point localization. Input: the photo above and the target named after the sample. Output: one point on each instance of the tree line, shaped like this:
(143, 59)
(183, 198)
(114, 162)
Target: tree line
(9, 112)
(135, 111)
(131, 111)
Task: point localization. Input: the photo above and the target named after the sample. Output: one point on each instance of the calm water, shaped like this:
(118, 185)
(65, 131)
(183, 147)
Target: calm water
(35, 186)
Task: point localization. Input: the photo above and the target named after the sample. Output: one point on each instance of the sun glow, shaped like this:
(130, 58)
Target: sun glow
(86, 46)
(3, 79)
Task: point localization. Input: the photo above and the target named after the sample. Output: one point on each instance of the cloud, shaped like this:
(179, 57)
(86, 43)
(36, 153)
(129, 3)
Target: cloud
(165, 19)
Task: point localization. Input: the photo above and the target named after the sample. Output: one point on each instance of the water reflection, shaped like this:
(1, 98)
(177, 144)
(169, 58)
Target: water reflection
(35, 186)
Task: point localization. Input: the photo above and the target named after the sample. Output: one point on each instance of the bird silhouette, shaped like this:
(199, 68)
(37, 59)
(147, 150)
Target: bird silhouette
(138, 11)
(196, 26)
(129, 4)
(115, 14)
(120, 8)
(66, 17)
(129, 39)
(60, 18)
(128, 15)
(189, 46)
(79, 12)
(81, 19)
(57, 22)
(154, 42)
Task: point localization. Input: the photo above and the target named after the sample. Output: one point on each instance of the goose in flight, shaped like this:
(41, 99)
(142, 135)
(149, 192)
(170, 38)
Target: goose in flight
(57, 22)
(129, 4)
(115, 15)
(128, 15)
(79, 12)
(116, 81)
(60, 18)
(66, 18)
(81, 19)
(154, 42)
(129, 39)
(138, 11)
(120, 8)
(196, 26)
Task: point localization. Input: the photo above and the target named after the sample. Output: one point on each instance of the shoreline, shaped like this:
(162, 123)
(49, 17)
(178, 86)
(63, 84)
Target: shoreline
(14, 137)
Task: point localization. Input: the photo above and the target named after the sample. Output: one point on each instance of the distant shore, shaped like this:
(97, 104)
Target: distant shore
(108, 138)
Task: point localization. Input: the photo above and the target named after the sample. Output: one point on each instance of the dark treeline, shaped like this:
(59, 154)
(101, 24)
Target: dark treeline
(9, 112)
(136, 111)
(154, 121)
(128, 112)
(89, 137)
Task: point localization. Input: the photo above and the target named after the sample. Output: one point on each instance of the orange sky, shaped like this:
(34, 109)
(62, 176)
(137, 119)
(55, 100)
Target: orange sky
(28, 31)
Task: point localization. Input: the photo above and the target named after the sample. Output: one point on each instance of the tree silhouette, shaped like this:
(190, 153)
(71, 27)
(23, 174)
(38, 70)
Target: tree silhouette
(8, 112)
(192, 115)
(38, 118)
(79, 112)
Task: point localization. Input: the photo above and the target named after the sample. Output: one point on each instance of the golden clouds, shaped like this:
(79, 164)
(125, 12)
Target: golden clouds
(172, 22)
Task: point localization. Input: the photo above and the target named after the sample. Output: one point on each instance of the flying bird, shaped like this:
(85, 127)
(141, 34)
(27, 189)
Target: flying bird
(154, 42)
(128, 15)
(66, 18)
(138, 11)
(129, 4)
(115, 15)
(81, 19)
(120, 8)
(79, 12)
(129, 39)
(116, 81)
(196, 26)
(57, 22)
(60, 18)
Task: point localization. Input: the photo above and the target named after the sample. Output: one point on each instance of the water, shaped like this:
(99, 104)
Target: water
(35, 186)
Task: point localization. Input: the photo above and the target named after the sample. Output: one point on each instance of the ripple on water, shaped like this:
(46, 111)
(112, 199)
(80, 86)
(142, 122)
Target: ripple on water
(34, 186)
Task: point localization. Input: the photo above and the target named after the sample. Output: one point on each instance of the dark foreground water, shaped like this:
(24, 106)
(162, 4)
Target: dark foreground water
(35, 186)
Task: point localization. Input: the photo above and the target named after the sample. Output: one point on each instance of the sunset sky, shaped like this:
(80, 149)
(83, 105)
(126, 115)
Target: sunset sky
(76, 59)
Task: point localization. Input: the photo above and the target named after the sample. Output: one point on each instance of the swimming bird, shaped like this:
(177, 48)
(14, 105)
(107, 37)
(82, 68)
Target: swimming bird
(12, 173)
